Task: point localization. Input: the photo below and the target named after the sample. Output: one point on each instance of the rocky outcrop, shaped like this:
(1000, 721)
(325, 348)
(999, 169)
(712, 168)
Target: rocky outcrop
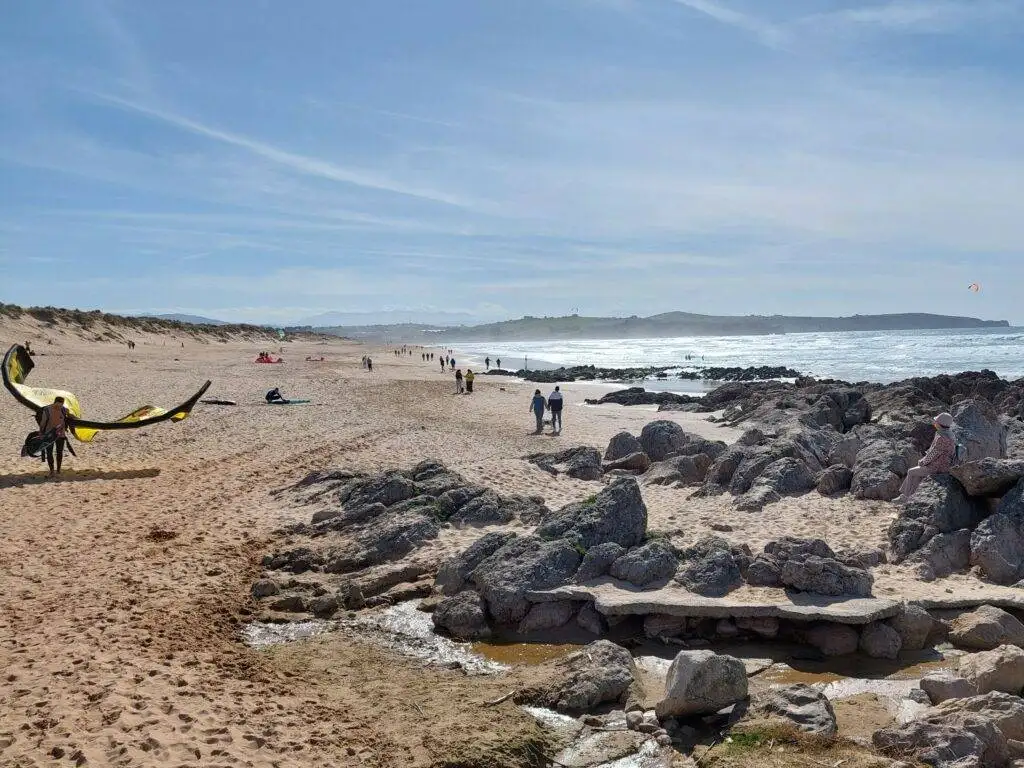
(598, 561)
(807, 565)
(832, 639)
(1001, 669)
(1005, 711)
(453, 574)
(709, 568)
(940, 505)
(616, 514)
(621, 445)
(989, 477)
(581, 463)
(545, 616)
(601, 672)
(954, 740)
(986, 628)
(463, 617)
(834, 480)
(881, 464)
(702, 682)
(654, 562)
(913, 625)
(802, 706)
(880, 641)
(997, 544)
(944, 685)
(980, 429)
(679, 470)
(636, 463)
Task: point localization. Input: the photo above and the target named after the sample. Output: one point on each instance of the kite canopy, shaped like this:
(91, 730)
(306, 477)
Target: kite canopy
(18, 364)
(974, 287)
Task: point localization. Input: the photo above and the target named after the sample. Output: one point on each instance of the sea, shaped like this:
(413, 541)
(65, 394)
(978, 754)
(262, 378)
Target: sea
(875, 356)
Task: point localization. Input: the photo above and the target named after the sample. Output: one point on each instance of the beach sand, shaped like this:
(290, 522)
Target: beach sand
(123, 585)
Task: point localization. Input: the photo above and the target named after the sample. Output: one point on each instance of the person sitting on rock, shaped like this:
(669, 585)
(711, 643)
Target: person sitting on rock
(938, 459)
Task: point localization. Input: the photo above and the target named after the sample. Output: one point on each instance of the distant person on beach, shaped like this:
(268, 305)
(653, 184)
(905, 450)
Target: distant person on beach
(458, 382)
(537, 405)
(498, 361)
(487, 363)
(442, 365)
(452, 362)
(275, 396)
(369, 364)
(469, 381)
(54, 418)
(555, 403)
(939, 458)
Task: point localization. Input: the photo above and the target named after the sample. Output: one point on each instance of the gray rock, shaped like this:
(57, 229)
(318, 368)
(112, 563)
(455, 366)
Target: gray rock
(844, 453)
(913, 624)
(462, 616)
(653, 562)
(986, 628)
(702, 682)
(544, 616)
(659, 625)
(980, 428)
(880, 468)
(943, 685)
(485, 509)
(616, 514)
(880, 641)
(621, 445)
(598, 561)
(862, 558)
(825, 576)
(757, 498)
(720, 473)
(523, 565)
(265, 588)
(997, 547)
(591, 621)
(989, 477)
(940, 505)
(787, 475)
(708, 568)
(756, 461)
(679, 470)
(599, 673)
(793, 548)
(764, 571)
(1001, 669)
(662, 439)
(966, 741)
(453, 574)
(394, 535)
(637, 463)
(805, 707)
(764, 626)
(835, 479)
(832, 639)
(581, 463)
(289, 604)
(943, 554)
(323, 607)
(1005, 711)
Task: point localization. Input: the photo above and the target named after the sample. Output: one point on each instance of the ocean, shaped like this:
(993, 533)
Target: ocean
(877, 356)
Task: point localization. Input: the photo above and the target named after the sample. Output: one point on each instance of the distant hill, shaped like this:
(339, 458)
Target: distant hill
(661, 326)
(388, 317)
(189, 319)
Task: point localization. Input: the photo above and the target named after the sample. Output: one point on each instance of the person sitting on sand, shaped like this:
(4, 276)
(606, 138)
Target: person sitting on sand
(275, 396)
(469, 381)
(555, 404)
(537, 405)
(458, 382)
(54, 418)
(938, 459)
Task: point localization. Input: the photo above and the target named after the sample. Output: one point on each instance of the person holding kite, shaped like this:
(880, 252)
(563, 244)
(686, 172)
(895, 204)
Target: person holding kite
(53, 422)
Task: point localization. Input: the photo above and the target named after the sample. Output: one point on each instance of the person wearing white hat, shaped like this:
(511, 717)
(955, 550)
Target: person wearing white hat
(938, 459)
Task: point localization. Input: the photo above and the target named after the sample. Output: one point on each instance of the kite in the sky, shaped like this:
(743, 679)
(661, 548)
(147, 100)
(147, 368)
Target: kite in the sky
(974, 287)
(18, 364)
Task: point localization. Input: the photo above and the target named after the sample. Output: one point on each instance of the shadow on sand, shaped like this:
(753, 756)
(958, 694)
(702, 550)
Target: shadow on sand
(74, 476)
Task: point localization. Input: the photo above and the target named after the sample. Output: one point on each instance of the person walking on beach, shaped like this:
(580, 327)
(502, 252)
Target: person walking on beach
(487, 363)
(369, 364)
(54, 419)
(442, 365)
(555, 403)
(469, 381)
(458, 382)
(938, 459)
(537, 405)
(498, 361)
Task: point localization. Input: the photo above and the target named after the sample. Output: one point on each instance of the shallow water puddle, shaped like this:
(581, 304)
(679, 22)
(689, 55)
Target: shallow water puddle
(260, 634)
(524, 653)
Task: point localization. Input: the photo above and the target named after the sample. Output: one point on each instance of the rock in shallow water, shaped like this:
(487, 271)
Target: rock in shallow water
(463, 617)
(599, 673)
(702, 682)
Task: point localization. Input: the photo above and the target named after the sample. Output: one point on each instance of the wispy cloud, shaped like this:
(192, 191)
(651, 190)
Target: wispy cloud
(770, 34)
(931, 16)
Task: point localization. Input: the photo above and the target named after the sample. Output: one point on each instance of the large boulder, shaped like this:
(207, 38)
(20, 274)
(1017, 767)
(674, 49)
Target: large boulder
(880, 641)
(621, 445)
(986, 628)
(523, 565)
(942, 555)
(980, 429)
(600, 673)
(1001, 669)
(581, 463)
(1005, 711)
(826, 576)
(709, 568)
(702, 682)
(954, 740)
(943, 685)
(637, 463)
(720, 473)
(544, 616)
(679, 470)
(463, 616)
(835, 479)
(997, 548)
(663, 439)
(787, 475)
(453, 574)
(880, 467)
(750, 469)
(801, 705)
(989, 477)
(598, 561)
(616, 514)
(653, 562)
(940, 505)
(913, 624)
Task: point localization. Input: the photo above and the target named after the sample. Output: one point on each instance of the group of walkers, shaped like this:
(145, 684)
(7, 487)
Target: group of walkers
(553, 403)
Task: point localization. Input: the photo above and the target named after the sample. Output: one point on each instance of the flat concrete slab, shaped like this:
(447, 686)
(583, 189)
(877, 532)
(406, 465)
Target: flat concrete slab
(617, 598)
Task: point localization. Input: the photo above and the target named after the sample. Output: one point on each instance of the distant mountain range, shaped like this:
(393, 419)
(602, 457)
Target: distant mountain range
(191, 319)
(387, 317)
(659, 326)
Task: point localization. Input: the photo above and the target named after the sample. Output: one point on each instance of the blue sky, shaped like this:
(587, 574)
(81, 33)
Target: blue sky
(266, 161)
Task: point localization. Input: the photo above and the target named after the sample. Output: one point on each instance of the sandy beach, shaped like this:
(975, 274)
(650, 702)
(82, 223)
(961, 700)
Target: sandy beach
(125, 582)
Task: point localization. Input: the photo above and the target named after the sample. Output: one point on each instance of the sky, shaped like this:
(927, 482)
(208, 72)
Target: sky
(267, 161)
